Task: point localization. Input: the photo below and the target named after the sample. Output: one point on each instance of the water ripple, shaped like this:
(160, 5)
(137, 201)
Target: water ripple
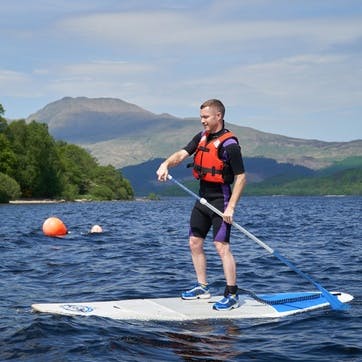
(143, 252)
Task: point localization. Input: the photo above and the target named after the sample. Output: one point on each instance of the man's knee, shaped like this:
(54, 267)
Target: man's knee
(222, 248)
(196, 243)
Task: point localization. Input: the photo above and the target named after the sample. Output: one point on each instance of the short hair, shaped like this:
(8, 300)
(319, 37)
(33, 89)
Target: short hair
(214, 103)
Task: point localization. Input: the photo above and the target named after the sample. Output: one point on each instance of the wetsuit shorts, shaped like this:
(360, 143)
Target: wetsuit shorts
(202, 218)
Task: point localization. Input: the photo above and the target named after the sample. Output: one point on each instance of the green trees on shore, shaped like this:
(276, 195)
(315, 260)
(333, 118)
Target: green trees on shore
(345, 182)
(34, 165)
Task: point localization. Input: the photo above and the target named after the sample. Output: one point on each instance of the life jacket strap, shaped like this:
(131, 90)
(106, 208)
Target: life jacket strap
(203, 149)
(204, 170)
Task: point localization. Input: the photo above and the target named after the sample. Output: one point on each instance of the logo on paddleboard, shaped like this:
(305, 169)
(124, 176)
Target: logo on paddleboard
(77, 308)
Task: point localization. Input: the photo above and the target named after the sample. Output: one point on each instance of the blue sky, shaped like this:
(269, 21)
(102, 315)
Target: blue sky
(287, 67)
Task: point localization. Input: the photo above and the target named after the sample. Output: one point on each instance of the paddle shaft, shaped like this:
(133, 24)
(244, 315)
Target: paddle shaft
(217, 211)
(334, 302)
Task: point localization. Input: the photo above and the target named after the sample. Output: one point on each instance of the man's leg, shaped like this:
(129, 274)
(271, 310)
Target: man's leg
(231, 298)
(198, 258)
(201, 289)
(228, 261)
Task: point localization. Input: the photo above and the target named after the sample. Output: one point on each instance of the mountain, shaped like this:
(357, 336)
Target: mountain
(123, 134)
(85, 121)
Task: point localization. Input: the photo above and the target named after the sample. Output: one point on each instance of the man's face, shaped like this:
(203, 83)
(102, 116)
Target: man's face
(211, 119)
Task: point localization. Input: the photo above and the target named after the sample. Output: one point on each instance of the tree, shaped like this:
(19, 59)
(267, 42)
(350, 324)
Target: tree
(77, 167)
(7, 156)
(45, 160)
(37, 163)
(3, 123)
(110, 178)
(9, 188)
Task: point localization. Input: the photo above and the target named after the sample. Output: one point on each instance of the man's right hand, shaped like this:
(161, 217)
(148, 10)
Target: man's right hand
(162, 172)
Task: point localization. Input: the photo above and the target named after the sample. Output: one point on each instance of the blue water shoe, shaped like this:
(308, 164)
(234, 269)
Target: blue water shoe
(199, 291)
(229, 302)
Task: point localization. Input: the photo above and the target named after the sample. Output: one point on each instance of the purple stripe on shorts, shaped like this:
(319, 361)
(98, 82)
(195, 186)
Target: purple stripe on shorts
(221, 234)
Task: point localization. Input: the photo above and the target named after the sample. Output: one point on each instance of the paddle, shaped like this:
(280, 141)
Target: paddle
(333, 300)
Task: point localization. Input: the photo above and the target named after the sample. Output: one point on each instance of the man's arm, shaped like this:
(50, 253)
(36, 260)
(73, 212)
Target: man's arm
(172, 161)
(239, 183)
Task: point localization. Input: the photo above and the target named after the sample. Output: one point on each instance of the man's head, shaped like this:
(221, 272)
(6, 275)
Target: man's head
(212, 115)
(214, 103)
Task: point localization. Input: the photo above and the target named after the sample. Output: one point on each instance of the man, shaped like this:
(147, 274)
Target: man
(217, 164)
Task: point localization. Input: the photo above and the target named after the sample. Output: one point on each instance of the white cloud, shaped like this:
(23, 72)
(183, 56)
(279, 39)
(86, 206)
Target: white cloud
(15, 83)
(110, 68)
(194, 30)
(307, 82)
(268, 60)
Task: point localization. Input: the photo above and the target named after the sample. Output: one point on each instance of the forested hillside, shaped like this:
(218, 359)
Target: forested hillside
(264, 177)
(34, 165)
(342, 182)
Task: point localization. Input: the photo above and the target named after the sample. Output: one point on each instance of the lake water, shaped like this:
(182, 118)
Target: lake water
(143, 252)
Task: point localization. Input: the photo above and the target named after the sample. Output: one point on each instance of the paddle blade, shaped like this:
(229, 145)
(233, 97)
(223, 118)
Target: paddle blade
(334, 302)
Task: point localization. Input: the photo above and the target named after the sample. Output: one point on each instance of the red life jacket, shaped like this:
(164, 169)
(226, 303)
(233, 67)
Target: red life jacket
(207, 164)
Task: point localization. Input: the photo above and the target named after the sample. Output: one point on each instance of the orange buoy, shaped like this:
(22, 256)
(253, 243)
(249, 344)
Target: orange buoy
(54, 227)
(96, 229)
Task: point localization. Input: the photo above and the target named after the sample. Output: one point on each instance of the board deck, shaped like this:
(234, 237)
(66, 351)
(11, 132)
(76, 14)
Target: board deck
(176, 309)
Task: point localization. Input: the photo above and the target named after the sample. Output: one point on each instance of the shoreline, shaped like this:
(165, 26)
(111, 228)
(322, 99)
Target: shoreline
(49, 201)
(36, 201)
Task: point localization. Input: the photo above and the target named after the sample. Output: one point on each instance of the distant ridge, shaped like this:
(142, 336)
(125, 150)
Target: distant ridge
(124, 134)
(85, 120)
(144, 181)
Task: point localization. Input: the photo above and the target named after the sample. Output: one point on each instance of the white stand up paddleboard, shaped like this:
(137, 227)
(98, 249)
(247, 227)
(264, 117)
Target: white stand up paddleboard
(177, 309)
